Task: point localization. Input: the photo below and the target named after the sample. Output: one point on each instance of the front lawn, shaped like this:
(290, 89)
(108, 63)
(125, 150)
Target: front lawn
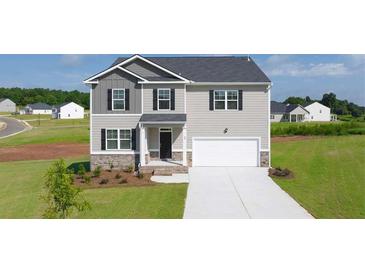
(329, 174)
(60, 122)
(21, 185)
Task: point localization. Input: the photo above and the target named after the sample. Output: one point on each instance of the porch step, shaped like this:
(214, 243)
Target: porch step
(164, 170)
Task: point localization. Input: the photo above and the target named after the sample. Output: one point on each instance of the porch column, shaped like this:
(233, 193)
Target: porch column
(142, 137)
(185, 160)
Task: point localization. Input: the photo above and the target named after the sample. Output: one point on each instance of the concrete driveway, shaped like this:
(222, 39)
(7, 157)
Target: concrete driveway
(13, 127)
(238, 192)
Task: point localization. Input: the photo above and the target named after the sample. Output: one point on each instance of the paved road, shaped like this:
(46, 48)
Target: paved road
(12, 126)
(238, 193)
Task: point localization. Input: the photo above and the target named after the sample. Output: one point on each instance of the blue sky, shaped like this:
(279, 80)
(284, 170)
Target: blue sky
(292, 75)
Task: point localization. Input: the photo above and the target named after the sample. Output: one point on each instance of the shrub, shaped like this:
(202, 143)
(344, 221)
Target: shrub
(104, 181)
(97, 171)
(81, 171)
(129, 169)
(111, 166)
(87, 179)
(140, 175)
(123, 181)
(279, 172)
(118, 176)
(360, 131)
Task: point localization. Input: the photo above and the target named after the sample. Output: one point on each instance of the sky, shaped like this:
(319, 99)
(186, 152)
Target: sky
(292, 75)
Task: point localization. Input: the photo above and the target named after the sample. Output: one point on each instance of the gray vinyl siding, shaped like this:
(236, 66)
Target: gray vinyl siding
(145, 70)
(148, 98)
(252, 121)
(7, 106)
(116, 79)
(112, 122)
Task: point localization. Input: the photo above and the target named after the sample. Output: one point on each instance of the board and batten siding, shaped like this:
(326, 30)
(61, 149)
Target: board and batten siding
(252, 121)
(148, 98)
(116, 79)
(112, 122)
(143, 69)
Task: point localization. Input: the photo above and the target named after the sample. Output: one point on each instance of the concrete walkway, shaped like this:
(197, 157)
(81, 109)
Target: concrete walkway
(13, 127)
(238, 192)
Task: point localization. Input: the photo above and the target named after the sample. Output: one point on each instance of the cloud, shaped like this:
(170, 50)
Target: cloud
(283, 65)
(71, 59)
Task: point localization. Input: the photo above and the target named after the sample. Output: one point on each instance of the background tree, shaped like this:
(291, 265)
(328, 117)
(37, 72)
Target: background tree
(60, 195)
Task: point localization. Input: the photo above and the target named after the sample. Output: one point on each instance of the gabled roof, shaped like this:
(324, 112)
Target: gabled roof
(207, 69)
(3, 99)
(281, 108)
(64, 104)
(40, 106)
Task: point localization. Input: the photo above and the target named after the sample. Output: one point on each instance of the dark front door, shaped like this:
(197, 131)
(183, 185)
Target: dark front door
(165, 145)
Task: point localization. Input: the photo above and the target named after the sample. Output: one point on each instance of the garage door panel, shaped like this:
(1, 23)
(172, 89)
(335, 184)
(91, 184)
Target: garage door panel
(225, 152)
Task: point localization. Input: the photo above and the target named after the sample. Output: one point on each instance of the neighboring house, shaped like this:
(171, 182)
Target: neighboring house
(37, 108)
(200, 111)
(318, 112)
(69, 110)
(281, 112)
(7, 105)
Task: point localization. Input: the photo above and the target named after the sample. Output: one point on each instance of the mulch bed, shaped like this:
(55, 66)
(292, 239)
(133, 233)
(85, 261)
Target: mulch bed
(282, 139)
(281, 173)
(43, 151)
(112, 181)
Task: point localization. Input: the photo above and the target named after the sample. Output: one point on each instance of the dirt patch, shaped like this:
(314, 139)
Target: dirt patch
(281, 173)
(113, 178)
(282, 139)
(42, 151)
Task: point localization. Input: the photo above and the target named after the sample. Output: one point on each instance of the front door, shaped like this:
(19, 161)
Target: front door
(165, 144)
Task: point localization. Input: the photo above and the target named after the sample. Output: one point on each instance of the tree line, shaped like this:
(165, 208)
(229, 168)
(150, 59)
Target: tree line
(25, 96)
(339, 107)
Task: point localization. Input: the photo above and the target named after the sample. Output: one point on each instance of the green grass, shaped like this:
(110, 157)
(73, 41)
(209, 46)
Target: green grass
(31, 116)
(60, 123)
(21, 186)
(329, 174)
(45, 135)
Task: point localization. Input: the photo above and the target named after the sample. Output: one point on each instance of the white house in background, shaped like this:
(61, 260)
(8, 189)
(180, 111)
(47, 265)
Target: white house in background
(69, 110)
(7, 105)
(318, 112)
(37, 108)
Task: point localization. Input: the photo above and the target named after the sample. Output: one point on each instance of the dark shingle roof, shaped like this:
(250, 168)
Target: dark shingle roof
(163, 118)
(40, 106)
(211, 69)
(277, 107)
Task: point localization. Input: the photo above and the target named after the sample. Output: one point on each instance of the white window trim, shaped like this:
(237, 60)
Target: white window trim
(225, 100)
(119, 109)
(118, 139)
(158, 99)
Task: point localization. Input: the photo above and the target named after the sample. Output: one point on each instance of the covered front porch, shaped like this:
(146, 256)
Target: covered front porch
(163, 140)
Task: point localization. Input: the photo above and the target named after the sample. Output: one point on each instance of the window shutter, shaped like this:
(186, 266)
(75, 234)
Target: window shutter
(134, 141)
(127, 99)
(110, 99)
(211, 99)
(155, 99)
(172, 99)
(240, 102)
(103, 139)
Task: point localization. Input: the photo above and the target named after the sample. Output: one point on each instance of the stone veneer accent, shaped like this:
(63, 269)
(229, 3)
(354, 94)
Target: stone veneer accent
(119, 160)
(264, 158)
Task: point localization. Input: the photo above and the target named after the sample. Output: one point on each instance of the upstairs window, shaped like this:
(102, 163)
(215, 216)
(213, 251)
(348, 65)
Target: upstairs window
(164, 98)
(226, 99)
(118, 99)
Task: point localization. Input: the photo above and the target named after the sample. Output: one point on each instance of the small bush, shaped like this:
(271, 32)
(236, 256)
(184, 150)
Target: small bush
(140, 175)
(104, 181)
(279, 172)
(118, 176)
(97, 171)
(123, 181)
(360, 131)
(111, 166)
(87, 179)
(81, 170)
(129, 169)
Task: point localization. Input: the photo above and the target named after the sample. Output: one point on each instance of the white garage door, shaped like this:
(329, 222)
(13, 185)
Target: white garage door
(211, 151)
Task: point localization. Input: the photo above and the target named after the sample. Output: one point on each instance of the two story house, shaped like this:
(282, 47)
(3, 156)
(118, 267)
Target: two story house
(189, 111)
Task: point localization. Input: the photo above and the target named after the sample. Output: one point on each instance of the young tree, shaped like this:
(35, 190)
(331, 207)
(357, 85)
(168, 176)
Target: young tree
(60, 195)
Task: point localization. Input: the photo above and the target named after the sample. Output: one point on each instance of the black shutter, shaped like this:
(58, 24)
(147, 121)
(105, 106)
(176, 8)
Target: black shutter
(211, 99)
(127, 99)
(240, 102)
(110, 99)
(103, 139)
(134, 141)
(155, 99)
(172, 99)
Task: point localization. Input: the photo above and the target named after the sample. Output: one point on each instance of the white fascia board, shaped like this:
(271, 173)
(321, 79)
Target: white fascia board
(230, 83)
(133, 74)
(162, 82)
